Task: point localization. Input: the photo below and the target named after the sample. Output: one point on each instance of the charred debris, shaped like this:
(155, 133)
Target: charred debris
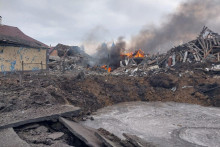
(205, 49)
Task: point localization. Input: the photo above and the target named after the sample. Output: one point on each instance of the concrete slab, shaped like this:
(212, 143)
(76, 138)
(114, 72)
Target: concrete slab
(17, 118)
(8, 138)
(86, 134)
(106, 141)
(136, 141)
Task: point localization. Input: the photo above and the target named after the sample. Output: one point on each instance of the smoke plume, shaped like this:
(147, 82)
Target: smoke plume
(110, 55)
(93, 37)
(182, 26)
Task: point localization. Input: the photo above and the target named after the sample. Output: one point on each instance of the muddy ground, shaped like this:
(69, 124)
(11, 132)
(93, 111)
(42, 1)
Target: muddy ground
(91, 92)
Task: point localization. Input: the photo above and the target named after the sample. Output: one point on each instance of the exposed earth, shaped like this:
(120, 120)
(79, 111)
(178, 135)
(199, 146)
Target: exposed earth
(93, 90)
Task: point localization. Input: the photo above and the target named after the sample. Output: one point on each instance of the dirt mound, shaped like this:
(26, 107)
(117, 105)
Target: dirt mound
(162, 80)
(91, 92)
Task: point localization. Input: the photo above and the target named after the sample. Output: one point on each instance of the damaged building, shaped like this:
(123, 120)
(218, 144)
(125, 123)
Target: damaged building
(64, 57)
(206, 48)
(19, 52)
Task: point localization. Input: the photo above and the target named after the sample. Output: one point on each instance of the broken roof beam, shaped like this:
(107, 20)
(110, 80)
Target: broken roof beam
(203, 47)
(203, 31)
(185, 56)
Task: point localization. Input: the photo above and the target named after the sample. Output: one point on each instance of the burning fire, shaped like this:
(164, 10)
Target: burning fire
(136, 54)
(106, 68)
(139, 54)
(109, 69)
(129, 55)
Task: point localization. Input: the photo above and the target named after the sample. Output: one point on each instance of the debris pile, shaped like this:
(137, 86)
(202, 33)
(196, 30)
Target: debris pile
(48, 133)
(204, 53)
(132, 58)
(137, 70)
(206, 48)
(68, 58)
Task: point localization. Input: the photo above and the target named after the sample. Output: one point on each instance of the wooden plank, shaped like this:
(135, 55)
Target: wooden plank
(195, 57)
(185, 56)
(218, 56)
(85, 134)
(106, 141)
(208, 53)
(194, 45)
(200, 42)
(204, 52)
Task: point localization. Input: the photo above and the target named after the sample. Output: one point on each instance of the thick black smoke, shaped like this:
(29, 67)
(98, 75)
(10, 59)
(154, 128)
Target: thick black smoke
(110, 55)
(182, 26)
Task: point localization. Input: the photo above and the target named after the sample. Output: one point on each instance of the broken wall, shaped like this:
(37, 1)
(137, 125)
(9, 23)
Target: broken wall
(54, 53)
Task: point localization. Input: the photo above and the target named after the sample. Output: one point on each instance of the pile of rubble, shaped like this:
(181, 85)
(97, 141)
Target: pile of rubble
(47, 133)
(206, 48)
(204, 51)
(67, 58)
(137, 70)
(66, 64)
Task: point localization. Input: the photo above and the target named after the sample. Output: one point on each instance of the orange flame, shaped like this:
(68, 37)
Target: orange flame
(109, 69)
(106, 68)
(137, 54)
(129, 55)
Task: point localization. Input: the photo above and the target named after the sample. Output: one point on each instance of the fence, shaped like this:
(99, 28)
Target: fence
(21, 72)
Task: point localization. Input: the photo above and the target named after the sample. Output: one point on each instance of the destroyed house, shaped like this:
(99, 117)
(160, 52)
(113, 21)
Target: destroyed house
(206, 48)
(53, 51)
(19, 52)
(65, 50)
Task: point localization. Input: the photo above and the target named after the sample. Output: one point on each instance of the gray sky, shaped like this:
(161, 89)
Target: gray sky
(77, 22)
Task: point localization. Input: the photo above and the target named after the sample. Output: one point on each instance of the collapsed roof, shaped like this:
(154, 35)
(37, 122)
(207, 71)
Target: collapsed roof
(205, 48)
(70, 50)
